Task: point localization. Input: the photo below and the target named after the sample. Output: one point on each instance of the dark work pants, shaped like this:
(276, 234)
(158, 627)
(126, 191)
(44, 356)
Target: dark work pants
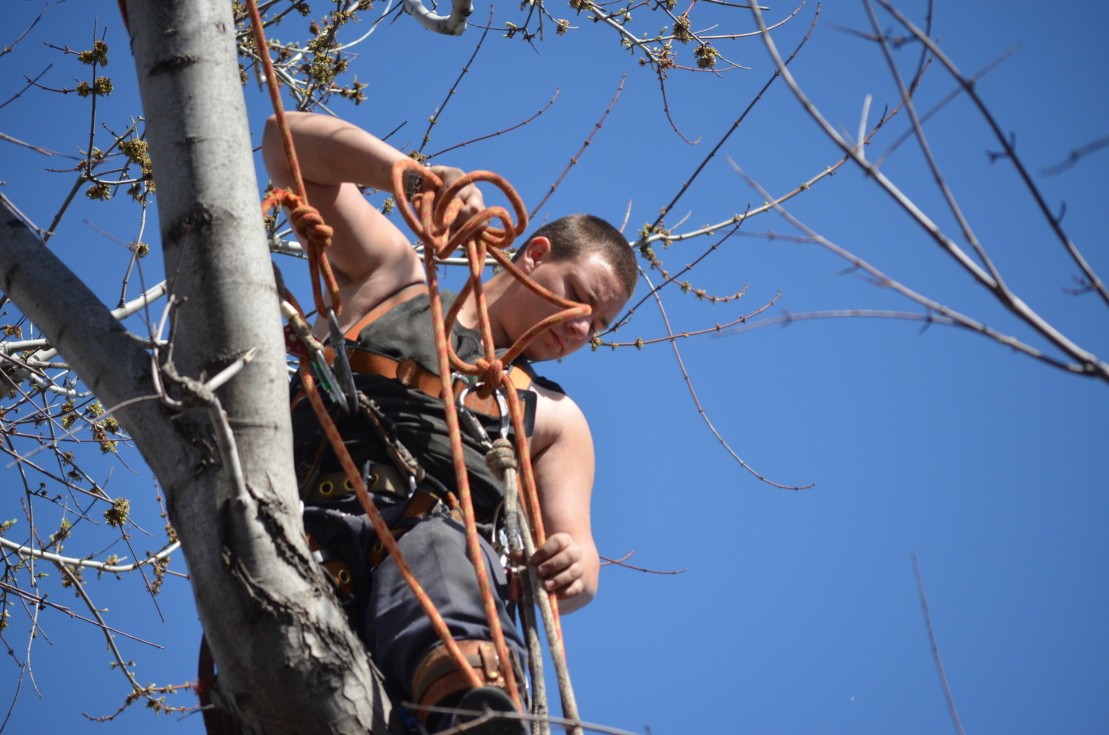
(394, 627)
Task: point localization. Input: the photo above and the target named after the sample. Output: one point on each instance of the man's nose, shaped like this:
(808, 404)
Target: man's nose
(579, 328)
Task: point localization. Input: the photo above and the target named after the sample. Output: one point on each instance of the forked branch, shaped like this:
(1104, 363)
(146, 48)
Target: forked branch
(1084, 362)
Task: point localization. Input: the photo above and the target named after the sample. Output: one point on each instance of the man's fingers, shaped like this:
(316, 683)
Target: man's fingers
(555, 544)
(559, 554)
(562, 560)
(469, 195)
(566, 583)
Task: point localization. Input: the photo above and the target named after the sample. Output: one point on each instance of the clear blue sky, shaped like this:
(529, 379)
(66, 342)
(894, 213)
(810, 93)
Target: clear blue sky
(797, 612)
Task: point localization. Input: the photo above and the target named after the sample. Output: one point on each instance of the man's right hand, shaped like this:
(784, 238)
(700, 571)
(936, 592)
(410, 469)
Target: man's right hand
(469, 195)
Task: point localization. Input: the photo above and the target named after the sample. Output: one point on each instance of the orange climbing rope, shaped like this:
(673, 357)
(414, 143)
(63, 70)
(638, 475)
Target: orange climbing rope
(437, 213)
(306, 220)
(310, 226)
(432, 215)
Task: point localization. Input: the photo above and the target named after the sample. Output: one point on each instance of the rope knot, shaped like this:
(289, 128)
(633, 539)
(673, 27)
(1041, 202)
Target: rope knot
(309, 224)
(501, 457)
(305, 219)
(490, 373)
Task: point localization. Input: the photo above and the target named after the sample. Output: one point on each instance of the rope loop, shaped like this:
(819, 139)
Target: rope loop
(432, 213)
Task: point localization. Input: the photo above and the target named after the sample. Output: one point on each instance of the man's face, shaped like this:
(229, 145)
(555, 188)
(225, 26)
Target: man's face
(589, 280)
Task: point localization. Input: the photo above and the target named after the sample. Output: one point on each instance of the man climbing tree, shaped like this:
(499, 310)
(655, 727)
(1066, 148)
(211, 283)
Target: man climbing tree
(396, 434)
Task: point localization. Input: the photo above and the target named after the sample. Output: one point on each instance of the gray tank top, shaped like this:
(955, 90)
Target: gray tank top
(403, 332)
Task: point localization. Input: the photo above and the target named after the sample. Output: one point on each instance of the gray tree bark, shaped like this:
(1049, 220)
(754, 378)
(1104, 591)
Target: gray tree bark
(288, 661)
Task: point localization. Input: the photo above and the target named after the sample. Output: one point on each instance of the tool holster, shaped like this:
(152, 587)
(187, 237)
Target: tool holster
(438, 679)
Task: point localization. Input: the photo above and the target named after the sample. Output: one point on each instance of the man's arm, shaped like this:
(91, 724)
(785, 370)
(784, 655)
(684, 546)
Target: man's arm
(371, 257)
(563, 461)
(335, 157)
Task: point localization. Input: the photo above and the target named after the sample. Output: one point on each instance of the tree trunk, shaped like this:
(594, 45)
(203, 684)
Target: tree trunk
(287, 658)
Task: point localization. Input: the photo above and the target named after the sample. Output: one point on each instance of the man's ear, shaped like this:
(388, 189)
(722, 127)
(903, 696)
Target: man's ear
(535, 251)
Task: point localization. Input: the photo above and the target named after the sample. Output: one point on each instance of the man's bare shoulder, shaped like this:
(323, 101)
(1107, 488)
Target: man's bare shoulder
(557, 417)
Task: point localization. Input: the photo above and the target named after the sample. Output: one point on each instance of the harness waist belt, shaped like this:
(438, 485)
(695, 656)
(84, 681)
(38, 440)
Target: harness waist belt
(382, 479)
(412, 374)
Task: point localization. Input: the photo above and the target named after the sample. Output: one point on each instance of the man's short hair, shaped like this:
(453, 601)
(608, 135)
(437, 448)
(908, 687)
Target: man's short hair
(578, 236)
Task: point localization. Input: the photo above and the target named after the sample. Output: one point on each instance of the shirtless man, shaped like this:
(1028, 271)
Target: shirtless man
(580, 258)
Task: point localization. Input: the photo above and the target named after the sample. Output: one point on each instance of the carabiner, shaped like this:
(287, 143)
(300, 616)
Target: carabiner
(502, 405)
(343, 373)
(326, 377)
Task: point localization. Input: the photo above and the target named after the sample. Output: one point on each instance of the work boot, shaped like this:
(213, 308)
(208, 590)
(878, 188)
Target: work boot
(489, 700)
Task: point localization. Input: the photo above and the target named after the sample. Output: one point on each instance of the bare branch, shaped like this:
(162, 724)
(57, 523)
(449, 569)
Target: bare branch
(926, 150)
(99, 566)
(1010, 152)
(44, 602)
(646, 237)
(10, 46)
(454, 87)
(1088, 364)
(497, 133)
(581, 151)
(449, 25)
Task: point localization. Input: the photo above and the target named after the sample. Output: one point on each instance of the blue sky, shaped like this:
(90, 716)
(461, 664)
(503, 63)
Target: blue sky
(796, 612)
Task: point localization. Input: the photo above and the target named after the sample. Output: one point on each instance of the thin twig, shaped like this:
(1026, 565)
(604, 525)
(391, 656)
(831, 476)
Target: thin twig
(726, 327)
(1076, 155)
(936, 649)
(9, 47)
(936, 108)
(497, 133)
(431, 123)
(43, 602)
(622, 562)
(581, 151)
(701, 409)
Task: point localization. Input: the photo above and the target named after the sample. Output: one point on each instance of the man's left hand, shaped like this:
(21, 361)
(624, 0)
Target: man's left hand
(559, 565)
